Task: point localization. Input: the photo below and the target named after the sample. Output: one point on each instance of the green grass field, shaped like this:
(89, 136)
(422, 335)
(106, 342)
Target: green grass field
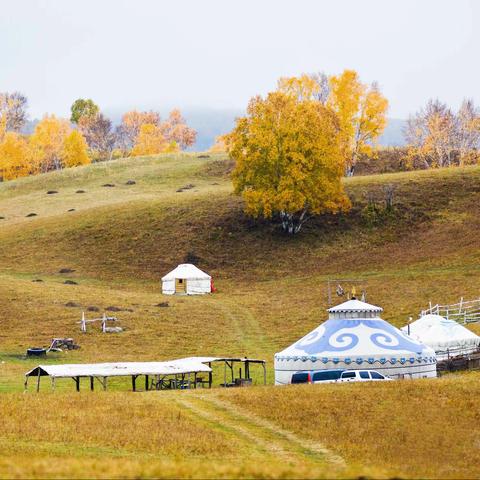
(272, 289)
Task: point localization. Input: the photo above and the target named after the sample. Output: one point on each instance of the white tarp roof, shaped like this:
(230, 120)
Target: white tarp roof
(186, 271)
(442, 334)
(220, 359)
(121, 369)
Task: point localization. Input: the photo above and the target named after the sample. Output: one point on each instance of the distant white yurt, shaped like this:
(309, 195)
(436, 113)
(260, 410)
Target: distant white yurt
(186, 279)
(355, 337)
(447, 337)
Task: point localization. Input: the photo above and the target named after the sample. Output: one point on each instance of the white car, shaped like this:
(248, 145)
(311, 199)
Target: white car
(362, 376)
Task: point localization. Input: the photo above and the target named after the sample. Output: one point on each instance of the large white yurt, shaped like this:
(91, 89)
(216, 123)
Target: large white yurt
(355, 337)
(186, 279)
(447, 337)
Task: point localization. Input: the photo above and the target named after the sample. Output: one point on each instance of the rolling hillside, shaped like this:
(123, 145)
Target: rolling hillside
(118, 227)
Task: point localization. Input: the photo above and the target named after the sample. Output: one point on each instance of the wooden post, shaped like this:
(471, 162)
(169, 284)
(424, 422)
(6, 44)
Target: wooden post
(134, 378)
(210, 376)
(225, 374)
(195, 380)
(91, 383)
(25, 385)
(53, 383)
(146, 383)
(77, 382)
(38, 380)
(264, 374)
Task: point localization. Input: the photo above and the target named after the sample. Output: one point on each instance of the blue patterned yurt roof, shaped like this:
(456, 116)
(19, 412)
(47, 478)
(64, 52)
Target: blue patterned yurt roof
(356, 335)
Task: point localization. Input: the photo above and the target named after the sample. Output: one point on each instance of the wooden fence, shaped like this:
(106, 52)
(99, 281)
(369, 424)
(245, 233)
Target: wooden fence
(462, 312)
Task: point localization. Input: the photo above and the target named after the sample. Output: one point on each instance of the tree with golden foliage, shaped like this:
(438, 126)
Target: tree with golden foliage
(129, 129)
(47, 143)
(306, 87)
(175, 129)
(75, 150)
(150, 141)
(220, 145)
(288, 160)
(15, 157)
(361, 110)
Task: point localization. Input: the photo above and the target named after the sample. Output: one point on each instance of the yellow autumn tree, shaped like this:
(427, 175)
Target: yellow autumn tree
(150, 141)
(3, 127)
(361, 110)
(305, 87)
(15, 157)
(75, 150)
(47, 142)
(289, 163)
(220, 145)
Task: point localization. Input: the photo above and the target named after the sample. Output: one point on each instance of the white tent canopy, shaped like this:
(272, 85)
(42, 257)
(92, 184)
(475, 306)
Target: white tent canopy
(446, 337)
(355, 337)
(186, 279)
(120, 369)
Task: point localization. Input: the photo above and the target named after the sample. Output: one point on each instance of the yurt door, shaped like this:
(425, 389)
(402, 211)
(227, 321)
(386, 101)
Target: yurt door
(180, 285)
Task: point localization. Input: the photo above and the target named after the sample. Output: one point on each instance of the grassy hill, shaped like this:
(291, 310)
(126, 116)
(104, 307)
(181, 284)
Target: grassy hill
(119, 240)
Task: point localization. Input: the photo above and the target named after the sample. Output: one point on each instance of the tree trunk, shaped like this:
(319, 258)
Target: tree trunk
(292, 223)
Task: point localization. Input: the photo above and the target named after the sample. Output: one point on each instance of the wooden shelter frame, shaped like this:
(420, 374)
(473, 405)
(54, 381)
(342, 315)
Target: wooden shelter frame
(178, 381)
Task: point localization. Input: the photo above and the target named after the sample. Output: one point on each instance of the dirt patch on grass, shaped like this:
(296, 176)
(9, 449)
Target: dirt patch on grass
(218, 168)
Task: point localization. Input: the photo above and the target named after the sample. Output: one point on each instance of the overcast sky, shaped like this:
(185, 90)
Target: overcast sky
(156, 54)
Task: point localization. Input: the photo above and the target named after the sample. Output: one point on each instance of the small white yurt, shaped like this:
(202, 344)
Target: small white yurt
(447, 337)
(355, 337)
(186, 279)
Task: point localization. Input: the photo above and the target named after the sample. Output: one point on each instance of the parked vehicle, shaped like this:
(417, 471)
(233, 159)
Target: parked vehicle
(362, 376)
(334, 376)
(327, 376)
(302, 377)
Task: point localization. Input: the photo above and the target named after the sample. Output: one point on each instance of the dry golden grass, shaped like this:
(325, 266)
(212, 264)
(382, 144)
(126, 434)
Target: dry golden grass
(272, 290)
(414, 429)
(131, 435)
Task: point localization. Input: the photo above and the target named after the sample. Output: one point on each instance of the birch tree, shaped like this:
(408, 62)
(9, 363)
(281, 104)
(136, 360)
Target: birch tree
(289, 163)
(13, 111)
(361, 110)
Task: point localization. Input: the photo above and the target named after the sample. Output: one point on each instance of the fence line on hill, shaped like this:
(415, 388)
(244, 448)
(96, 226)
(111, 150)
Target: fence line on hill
(462, 312)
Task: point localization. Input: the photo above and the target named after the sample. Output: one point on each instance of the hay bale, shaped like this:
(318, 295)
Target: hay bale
(72, 304)
(112, 308)
(162, 305)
